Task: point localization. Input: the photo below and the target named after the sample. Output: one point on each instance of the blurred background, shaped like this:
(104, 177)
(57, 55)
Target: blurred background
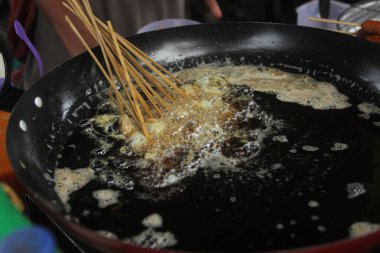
(278, 11)
(282, 11)
(43, 21)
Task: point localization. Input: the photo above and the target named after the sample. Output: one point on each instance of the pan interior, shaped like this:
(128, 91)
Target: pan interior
(309, 165)
(297, 193)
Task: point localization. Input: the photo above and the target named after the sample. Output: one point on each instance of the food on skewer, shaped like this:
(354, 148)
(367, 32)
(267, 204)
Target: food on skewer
(369, 29)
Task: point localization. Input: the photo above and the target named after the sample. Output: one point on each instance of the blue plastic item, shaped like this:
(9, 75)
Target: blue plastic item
(28, 240)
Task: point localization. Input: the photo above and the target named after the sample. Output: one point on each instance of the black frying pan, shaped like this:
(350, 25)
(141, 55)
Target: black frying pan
(353, 65)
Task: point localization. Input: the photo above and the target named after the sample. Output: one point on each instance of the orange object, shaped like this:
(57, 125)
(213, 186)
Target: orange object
(6, 172)
(371, 26)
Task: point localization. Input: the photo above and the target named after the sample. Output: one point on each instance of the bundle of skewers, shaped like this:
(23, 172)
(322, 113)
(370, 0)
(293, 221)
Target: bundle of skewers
(369, 29)
(139, 86)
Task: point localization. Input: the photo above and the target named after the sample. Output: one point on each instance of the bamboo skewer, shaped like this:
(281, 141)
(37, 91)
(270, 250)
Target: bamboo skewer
(324, 20)
(75, 8)
(118, 95)
(144, 57)
(131, 86)
(331, 21)
(140, 53)
(144, 90)
(134, 61)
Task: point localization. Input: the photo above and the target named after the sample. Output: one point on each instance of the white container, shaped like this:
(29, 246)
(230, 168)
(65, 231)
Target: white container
(311, 9)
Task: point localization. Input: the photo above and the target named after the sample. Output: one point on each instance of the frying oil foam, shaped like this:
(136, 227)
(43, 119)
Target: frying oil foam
(299, 89)
(192, 133)
(106, 197)
(153, 239)
(68, 181)
(358, 229)
(153, 221)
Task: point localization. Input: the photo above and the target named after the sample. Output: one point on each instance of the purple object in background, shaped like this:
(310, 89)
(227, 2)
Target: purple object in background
(166, 23)
(22, 35)
(2, 68)
(1, 82)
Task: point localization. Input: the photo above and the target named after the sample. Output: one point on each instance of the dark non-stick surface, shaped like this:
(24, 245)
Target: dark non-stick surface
(353, 65)
(267, 203)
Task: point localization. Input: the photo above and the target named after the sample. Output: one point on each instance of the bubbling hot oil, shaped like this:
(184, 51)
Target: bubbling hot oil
(233, 167)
